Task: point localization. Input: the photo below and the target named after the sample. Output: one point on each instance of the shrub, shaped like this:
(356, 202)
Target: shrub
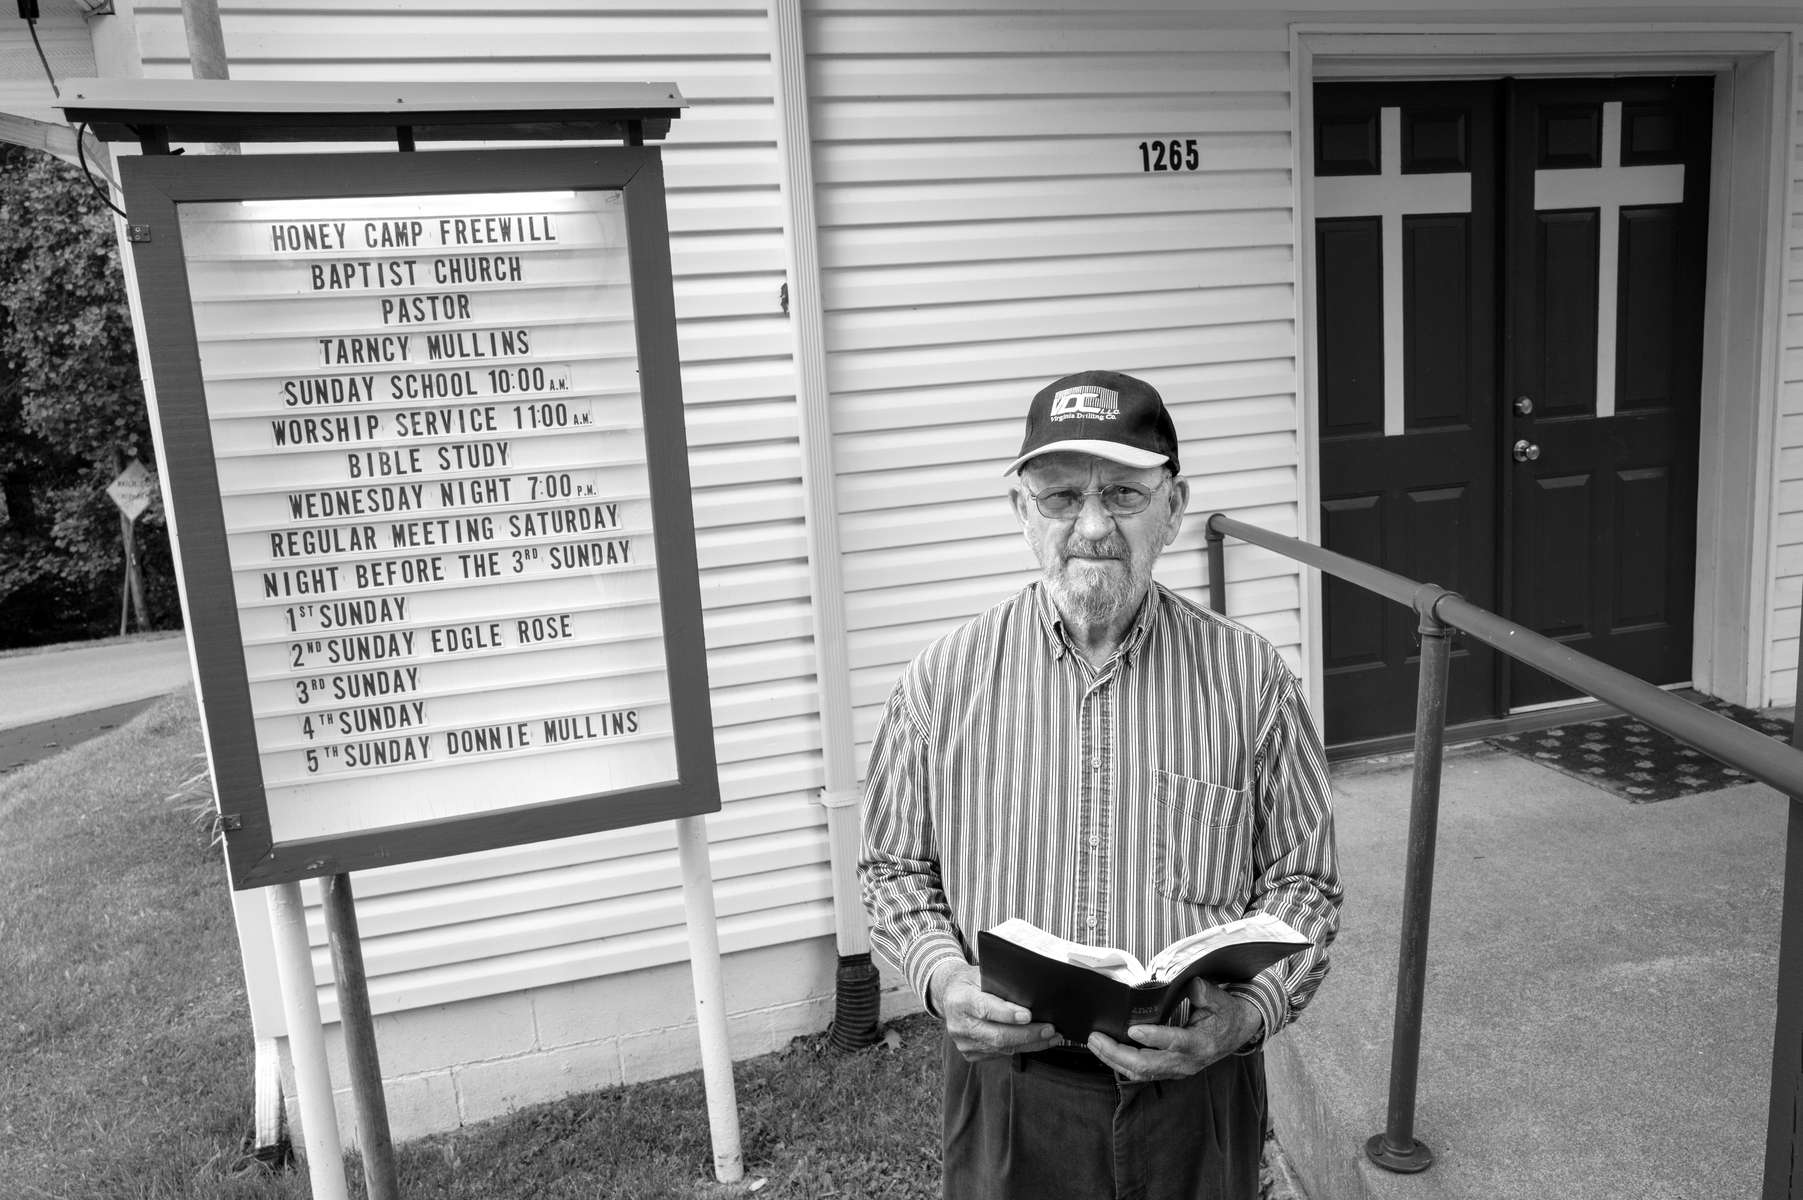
(71, 412)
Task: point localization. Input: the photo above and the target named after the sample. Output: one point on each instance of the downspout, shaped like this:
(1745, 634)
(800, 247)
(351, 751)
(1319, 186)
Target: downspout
(206, 43)
(858, 992)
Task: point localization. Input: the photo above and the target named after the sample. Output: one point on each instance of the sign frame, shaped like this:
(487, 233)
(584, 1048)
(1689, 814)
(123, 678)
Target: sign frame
(155, 187)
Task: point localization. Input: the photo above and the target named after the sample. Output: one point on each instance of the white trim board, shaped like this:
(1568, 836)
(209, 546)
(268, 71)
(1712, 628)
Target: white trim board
(1748, 240)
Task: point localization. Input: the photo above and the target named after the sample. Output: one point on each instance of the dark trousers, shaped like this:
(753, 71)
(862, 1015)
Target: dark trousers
(1024, 1128)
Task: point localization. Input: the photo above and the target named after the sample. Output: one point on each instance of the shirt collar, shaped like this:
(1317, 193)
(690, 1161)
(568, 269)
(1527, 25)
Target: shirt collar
(1052, 625)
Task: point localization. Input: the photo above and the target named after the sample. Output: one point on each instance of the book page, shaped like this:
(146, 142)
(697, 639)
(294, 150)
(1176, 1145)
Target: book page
(1259, 927)
(1105, 960)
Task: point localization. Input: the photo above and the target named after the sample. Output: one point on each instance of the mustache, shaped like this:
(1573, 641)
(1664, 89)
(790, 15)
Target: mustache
(1113, 546)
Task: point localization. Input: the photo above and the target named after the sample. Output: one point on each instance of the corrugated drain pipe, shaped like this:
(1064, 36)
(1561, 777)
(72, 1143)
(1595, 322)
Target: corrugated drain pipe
(858, 997)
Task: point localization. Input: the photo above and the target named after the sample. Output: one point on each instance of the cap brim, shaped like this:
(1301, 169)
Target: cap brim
(1129, 456)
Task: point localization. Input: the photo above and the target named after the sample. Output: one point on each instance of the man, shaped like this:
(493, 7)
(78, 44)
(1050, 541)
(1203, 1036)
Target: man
(1120, 767)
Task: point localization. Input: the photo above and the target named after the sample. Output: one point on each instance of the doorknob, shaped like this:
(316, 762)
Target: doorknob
(1526, 451)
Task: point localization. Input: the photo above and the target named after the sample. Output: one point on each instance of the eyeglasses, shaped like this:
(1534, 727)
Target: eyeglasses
(1120, 499)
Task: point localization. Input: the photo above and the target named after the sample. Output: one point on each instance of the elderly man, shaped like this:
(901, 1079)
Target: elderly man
(1120, 767)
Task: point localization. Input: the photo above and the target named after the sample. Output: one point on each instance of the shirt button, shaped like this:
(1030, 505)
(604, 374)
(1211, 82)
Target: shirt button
(1091, 922)
(1094, 840)
(1096, 762)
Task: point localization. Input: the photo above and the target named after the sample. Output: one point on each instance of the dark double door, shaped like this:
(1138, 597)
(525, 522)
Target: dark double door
(1509, 285)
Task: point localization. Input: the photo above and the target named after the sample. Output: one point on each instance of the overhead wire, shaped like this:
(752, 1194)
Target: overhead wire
(32, 25)
(81, 133)
(81, 153)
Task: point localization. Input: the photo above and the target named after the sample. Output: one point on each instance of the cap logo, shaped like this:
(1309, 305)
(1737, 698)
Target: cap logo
(1086, 401)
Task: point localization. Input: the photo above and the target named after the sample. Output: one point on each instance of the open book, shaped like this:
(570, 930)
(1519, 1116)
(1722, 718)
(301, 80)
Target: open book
(1078, 988)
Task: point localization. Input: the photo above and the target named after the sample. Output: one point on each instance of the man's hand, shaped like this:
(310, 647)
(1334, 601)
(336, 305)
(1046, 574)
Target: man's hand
(982, 1025)
(1219, 1023)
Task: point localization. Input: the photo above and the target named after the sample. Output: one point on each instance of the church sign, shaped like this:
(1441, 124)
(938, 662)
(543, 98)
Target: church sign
(424, 443)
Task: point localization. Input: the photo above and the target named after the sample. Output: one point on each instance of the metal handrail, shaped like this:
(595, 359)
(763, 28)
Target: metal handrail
(1762, 757)
(1441, 612)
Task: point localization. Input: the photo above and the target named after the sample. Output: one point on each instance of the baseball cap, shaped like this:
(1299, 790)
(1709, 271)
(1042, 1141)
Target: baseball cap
(1104, 413)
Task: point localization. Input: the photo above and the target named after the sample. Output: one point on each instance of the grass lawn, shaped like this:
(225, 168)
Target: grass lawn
(126, 1048)
(124, 1032)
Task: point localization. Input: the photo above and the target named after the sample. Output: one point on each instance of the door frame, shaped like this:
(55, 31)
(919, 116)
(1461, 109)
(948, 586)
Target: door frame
(1748, 241)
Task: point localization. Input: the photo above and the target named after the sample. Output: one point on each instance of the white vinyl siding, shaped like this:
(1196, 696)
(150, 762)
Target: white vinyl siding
(28, 116)
(530, 916)
(985, 226)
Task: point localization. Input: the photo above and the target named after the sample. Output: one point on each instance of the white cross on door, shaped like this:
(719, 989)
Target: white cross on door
(1607, 189)
(1392, 196)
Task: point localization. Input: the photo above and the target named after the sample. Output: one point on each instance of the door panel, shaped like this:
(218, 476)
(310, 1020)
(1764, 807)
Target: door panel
(1648, 312)
(1349, 254)
(1357, 624)
(1436, 255)
(1643, 506)
(1560, 506)
(1565, 258)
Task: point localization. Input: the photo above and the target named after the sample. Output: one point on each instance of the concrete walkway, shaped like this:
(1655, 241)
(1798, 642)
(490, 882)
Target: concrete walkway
(1600, 993)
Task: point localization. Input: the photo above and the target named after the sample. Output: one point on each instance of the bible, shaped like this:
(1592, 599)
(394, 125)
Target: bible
(1077, 988)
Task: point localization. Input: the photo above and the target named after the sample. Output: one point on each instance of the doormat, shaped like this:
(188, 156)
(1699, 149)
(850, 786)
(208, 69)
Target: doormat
(1636, 762)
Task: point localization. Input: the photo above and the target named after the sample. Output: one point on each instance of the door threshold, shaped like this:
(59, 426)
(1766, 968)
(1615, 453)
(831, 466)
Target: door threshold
(1540, 717)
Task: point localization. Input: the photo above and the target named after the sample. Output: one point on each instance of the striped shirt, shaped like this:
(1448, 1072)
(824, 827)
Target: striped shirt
(1179, 786)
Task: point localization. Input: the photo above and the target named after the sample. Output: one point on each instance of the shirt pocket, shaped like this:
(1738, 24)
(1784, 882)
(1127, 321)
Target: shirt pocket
(1204, 840)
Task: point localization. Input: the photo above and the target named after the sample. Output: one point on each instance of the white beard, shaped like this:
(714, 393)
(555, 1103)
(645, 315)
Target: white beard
(1096, 595)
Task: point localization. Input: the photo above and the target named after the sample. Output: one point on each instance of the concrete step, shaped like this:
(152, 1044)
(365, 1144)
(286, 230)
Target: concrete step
(1600, 991)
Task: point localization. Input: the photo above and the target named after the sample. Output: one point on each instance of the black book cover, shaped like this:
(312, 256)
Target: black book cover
(1077, 999)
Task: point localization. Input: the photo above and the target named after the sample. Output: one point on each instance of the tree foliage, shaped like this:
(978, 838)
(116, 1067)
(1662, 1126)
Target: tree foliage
(71, 412)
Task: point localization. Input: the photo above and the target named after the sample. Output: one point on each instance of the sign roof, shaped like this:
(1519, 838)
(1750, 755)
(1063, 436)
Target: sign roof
(199, 110)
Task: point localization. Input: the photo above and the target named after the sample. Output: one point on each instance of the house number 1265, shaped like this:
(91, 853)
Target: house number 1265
(1173, 155)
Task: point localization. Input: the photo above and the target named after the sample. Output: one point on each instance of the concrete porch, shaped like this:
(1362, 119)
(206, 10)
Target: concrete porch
(1600, 992)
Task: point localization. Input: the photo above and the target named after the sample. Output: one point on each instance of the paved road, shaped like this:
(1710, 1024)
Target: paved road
(50, 701)
(60, 683)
